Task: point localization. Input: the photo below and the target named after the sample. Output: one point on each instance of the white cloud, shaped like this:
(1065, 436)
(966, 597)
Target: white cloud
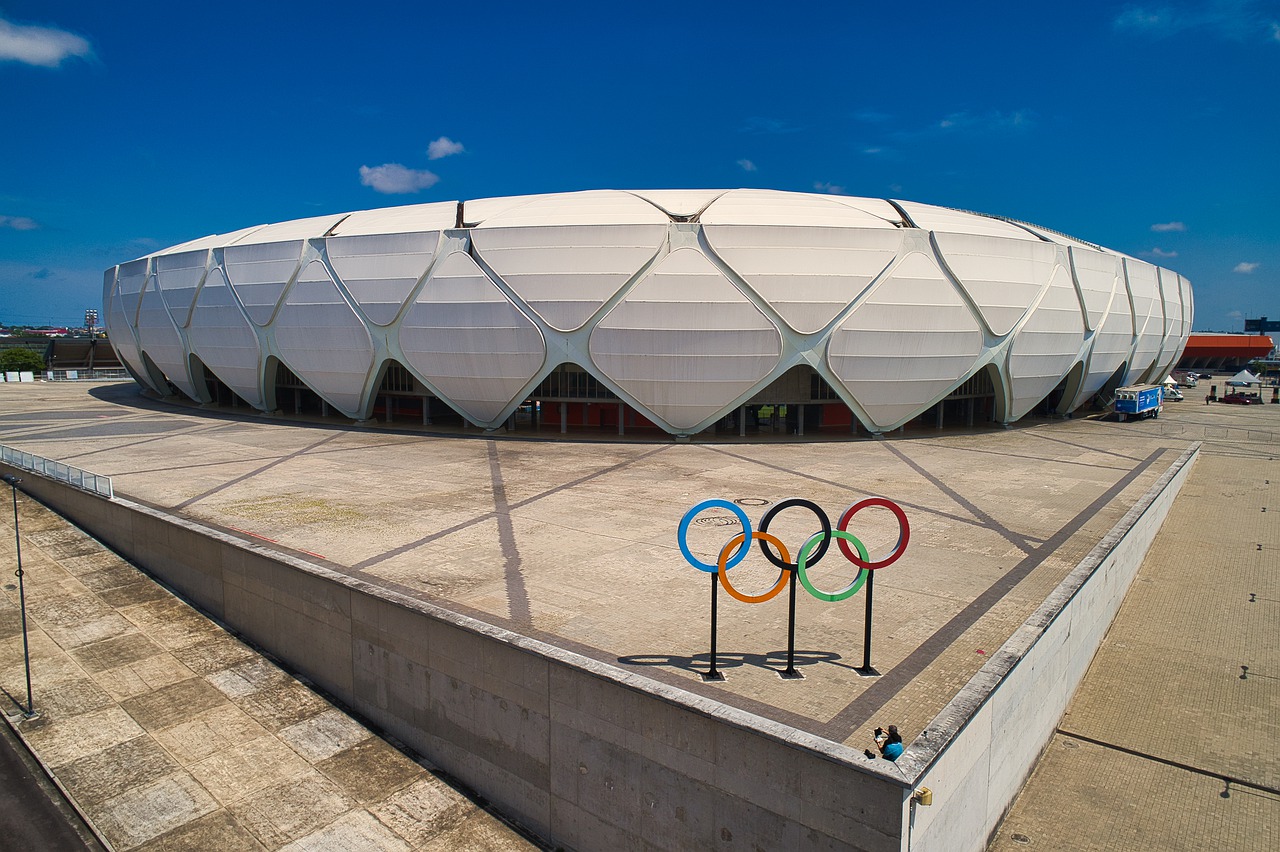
(1245, 268)
(43, 46)
(747, 165)
(1159, 252)
(873, 151)
(395, 179)
(1161, 227)
(1230, 19)
(18, 223)
(828, 188)
(443, 147)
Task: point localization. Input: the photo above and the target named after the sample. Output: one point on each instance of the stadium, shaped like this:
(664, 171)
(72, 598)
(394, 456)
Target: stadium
(670, 311)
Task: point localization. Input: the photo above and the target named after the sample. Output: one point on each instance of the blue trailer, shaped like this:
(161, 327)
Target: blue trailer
(1137, 401)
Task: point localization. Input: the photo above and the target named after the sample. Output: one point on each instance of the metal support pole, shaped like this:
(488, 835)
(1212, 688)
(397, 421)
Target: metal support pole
(564, 416)
(867, 669)
(713, 673)
(790, 672)
(742, 421)
(22, 593)
(622, 416)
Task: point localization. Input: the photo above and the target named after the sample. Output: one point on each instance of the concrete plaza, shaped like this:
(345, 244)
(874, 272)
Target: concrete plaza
(574, 543)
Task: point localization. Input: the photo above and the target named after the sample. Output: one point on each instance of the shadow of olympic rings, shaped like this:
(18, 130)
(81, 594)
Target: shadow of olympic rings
(701, 663)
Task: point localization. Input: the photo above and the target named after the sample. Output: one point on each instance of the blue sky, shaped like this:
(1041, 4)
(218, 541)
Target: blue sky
(1151, 128)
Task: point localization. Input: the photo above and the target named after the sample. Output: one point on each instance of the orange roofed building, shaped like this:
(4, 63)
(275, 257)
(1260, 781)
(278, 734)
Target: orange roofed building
(1224, 351)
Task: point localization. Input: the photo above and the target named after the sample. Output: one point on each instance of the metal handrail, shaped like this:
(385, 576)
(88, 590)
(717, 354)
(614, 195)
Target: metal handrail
(95, 483)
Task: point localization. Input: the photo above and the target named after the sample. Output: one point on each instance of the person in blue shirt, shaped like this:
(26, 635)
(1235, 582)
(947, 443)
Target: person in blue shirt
(889, 744)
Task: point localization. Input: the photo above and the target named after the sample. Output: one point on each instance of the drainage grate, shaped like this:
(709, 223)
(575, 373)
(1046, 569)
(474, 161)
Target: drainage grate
(717, 521)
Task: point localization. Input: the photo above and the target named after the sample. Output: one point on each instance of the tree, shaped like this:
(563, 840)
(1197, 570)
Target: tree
(18, 359)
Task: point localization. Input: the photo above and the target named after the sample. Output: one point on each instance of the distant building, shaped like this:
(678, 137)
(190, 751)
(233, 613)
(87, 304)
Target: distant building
(1261, 325)
(1224, 351)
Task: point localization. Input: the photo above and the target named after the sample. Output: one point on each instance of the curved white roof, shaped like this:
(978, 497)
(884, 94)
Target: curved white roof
(684, 303)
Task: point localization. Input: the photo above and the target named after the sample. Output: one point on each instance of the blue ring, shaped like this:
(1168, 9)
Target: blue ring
(682, 535)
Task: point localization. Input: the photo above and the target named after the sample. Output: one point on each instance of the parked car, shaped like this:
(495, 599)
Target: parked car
(1206, 375)
(1172, 393)
(1238, 398)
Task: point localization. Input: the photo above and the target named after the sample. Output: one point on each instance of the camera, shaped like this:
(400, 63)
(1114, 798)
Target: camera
(879, 732)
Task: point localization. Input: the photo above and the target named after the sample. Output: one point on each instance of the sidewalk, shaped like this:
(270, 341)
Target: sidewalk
(167, 733)
(1171, 740)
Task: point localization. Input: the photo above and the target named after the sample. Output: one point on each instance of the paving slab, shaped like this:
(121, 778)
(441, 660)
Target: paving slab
(170, 734)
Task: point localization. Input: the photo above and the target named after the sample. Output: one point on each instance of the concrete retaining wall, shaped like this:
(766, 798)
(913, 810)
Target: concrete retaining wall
(987, 740)
(584, 754)
(590, 756)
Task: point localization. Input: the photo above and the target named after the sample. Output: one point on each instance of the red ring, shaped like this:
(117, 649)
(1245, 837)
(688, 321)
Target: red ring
(904, 532)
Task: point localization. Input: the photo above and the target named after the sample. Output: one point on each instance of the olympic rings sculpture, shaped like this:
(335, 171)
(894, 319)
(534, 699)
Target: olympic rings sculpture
(811, 552)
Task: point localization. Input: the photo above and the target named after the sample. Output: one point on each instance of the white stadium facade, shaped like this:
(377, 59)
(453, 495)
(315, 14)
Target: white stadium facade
(676, 311)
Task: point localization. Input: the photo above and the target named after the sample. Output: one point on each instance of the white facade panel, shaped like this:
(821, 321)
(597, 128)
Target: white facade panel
(124, 335)
(1047, 346)
(1188, 308)
(259, 272)
(910, 342)
(789, 209)
(685, 342)
(684, 203)
(410, 219)
(323, 342)
(1112, 343)
(566, 272)
(1097, 274)
(1148, 319)
(943, 219)
(296, 229)
(808, 275)
(179, 276)
(159, 338)
(211, 242)
(224, 341)
(1003, 277)
(1171, 346)
(465, 337)
(381, 270)
(594, 207)
(130, 280)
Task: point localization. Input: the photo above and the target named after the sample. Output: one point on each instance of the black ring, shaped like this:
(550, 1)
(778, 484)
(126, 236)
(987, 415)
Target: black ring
(804, 504)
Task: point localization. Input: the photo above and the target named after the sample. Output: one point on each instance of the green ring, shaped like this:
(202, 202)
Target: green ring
(849, 590)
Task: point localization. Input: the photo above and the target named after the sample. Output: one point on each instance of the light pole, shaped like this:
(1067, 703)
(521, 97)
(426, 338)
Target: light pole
(13, 481)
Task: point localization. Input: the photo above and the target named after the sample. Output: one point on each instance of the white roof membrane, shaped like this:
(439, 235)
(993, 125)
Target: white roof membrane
(808, 275)
(685, 342)
(339, 368)
(224, 341)
(381, 270)
(910, 341)
(684, 320)
(465, 337)
(565, 273)
(178, 277)
(158, 337)
(259, 273)
(1003, 277)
